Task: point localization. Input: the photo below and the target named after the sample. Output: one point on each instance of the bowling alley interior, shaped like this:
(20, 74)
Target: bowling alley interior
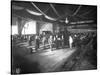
(52, 37)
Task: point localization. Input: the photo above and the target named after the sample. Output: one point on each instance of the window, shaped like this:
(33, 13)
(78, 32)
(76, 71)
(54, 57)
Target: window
(14, 29)
(29, 28)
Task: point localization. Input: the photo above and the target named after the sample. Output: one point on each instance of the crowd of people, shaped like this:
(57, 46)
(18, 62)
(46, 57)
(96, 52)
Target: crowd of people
(51, 40)
(56, 41)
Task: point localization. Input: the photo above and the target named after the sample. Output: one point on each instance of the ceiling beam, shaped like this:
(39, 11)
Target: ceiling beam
(54, 10)
(38, 8)
(77, 10)
(46, 16)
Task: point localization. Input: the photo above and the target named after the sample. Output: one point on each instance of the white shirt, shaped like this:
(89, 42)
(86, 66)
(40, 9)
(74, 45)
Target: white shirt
(70, 39)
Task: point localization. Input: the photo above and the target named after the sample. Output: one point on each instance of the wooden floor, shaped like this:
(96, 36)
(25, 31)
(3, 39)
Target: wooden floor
(50, 60)
(46, 60)
(43, 61)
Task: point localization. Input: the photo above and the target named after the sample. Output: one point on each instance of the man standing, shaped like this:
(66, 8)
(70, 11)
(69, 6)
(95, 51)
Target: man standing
(51, 42)
(62, 41)
(37, 42)
(70, 41)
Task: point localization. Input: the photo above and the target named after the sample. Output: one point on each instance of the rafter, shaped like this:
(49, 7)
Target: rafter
(43, 12)
(77, 10)
(54, 10)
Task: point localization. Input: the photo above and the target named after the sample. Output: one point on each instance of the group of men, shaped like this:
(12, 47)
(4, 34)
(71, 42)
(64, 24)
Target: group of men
(53, 41)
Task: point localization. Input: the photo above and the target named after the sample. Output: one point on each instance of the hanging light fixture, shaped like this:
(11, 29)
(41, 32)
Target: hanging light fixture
(66, 20)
